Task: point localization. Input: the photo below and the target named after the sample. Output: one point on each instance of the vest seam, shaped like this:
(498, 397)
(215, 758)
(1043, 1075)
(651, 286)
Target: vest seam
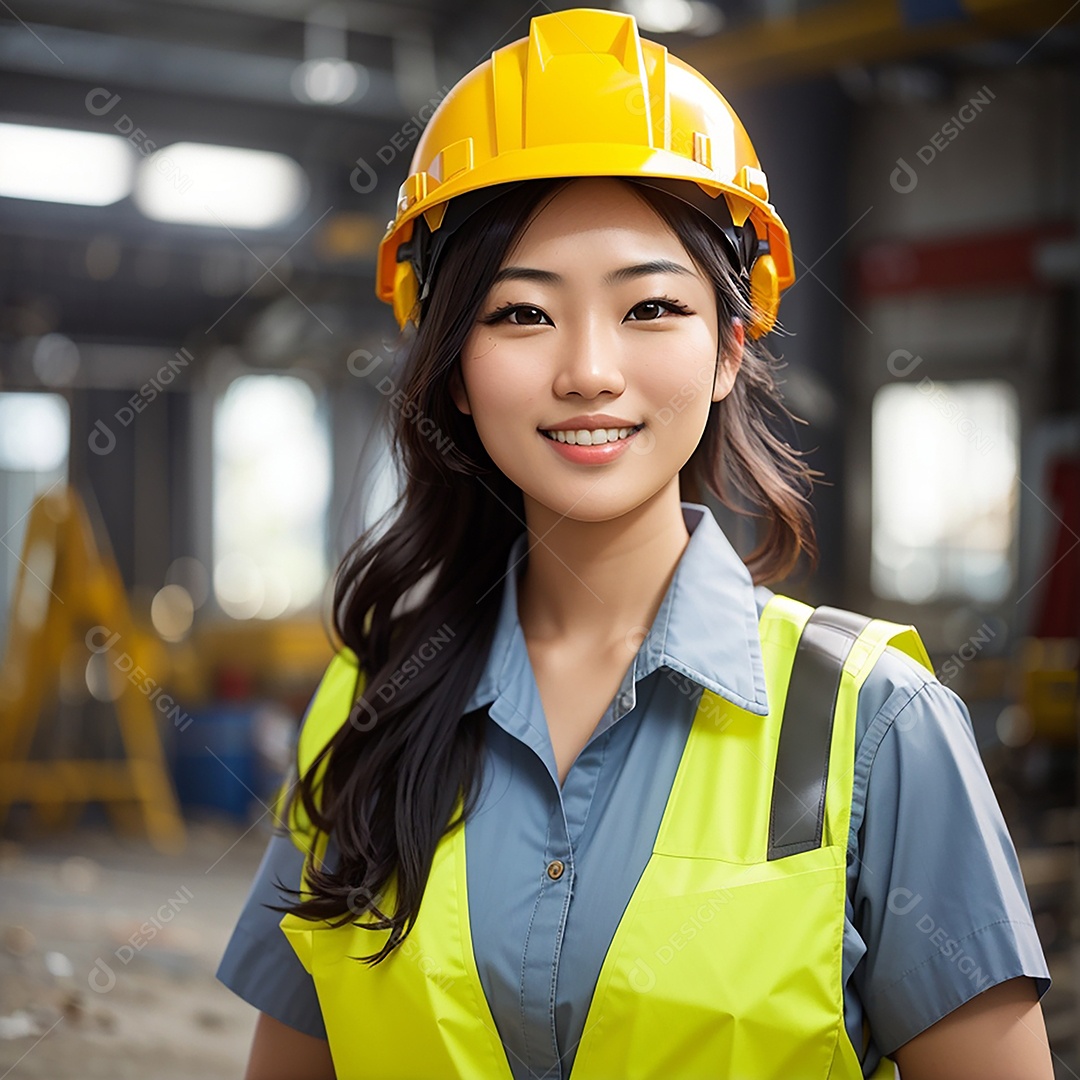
(912, 665)
(841, 1024)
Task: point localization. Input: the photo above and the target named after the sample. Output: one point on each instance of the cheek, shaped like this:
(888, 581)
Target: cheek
(501, 380)
(480, 361)
(680, 374)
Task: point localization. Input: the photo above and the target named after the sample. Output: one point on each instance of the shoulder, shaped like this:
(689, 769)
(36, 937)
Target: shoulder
(906, 714)
(912, 733)
(895, 688)
(899, 695)
(934, 880)
(889, 661)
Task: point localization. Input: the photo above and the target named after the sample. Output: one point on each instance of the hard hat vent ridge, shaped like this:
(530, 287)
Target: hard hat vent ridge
(605, 69)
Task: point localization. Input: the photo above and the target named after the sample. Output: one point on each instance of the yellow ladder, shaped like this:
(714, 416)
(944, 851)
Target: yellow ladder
(69, 600)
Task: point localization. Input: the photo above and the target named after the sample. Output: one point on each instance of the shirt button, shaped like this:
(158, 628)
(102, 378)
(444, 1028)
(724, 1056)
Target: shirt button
(555, 869)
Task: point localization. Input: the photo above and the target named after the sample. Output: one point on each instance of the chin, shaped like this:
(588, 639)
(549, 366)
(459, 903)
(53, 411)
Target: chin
(587, 500)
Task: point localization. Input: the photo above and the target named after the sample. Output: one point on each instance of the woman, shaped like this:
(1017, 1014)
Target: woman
(662, 822)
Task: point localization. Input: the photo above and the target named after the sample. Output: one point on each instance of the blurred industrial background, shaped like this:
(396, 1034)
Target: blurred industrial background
(191, 381)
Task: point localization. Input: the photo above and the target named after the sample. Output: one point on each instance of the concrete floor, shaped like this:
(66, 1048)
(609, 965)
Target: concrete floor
(108, 952)
(108, 957)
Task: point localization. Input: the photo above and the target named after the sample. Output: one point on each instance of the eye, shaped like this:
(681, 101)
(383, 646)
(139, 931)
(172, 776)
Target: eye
(517, 315)
(651, 310)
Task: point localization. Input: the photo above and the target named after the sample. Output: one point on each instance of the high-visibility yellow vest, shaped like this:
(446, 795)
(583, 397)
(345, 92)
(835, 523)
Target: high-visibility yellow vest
(727, 962)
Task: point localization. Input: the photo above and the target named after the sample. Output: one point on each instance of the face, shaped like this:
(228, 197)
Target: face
(600, 323)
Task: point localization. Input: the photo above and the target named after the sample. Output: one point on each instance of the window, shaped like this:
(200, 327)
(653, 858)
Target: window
(34, 441)
(944, 490)
(272, 479)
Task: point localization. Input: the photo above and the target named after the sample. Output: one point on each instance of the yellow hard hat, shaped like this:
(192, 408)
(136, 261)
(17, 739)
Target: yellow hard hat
(584, 95)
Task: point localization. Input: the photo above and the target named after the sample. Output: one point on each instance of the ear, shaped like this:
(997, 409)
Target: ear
(458, 392)
(730, 362)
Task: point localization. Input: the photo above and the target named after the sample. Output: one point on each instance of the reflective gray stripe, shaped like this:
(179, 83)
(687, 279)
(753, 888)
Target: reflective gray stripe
(797, 818)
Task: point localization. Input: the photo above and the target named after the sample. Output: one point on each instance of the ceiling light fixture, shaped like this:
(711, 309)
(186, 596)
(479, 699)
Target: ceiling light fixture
(228, 186)
(85, 168)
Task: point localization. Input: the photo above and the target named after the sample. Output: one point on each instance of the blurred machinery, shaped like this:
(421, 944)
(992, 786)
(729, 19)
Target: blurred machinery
(1050, 661)
(1035, 768)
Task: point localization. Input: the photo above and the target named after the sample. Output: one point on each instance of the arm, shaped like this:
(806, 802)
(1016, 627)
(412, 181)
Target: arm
(279, 1052)
(259, 964)
(997, 1035)
(954, 968)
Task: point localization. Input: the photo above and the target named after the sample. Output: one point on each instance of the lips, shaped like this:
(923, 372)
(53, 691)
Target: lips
(600, 454)
(590, 422)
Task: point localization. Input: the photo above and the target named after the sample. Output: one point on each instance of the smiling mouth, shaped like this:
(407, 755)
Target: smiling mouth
(596, 437)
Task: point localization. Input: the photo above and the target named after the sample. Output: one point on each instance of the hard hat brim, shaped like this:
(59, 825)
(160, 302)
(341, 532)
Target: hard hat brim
(582, 160)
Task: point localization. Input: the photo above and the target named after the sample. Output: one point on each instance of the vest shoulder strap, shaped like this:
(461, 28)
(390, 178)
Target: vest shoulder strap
(832, 643)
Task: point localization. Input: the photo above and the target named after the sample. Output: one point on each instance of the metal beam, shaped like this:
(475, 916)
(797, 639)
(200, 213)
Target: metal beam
(107, 59)
(365, 16)
(856, 32)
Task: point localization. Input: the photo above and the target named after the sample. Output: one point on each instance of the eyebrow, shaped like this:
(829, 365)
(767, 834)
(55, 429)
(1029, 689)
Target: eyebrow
(615, 277)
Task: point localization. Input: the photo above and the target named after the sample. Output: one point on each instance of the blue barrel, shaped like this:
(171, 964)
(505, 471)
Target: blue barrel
(215, 764)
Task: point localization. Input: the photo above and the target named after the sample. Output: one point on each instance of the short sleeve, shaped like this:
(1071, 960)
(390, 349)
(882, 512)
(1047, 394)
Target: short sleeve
(259, 964)
(939, 901)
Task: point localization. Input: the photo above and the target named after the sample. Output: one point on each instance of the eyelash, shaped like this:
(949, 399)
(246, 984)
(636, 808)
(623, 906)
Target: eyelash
(501, 314)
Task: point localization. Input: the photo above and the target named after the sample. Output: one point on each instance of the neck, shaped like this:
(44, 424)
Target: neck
(599, 584)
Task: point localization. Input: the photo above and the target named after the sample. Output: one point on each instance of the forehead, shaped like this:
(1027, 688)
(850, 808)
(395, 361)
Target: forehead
(590, 213)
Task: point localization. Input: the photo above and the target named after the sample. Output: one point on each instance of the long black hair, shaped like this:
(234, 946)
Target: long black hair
(391, 782)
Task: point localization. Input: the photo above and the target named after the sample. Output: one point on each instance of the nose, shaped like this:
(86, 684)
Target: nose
(590, 360)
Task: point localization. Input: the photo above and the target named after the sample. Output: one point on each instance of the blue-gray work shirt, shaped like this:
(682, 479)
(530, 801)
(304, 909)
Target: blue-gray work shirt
(936, 907)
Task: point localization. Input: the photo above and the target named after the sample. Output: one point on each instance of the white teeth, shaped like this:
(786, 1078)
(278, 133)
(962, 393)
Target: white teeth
(585, 437)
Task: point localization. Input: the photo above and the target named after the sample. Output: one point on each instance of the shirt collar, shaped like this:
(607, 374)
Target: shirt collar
(706, 627)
